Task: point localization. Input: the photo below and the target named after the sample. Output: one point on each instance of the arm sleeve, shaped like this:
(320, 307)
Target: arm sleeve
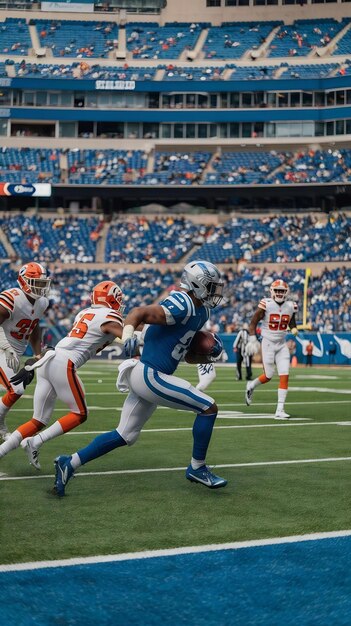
(178, 307)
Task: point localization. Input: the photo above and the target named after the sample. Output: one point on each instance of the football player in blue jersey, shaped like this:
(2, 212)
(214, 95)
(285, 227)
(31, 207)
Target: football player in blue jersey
(171, 326)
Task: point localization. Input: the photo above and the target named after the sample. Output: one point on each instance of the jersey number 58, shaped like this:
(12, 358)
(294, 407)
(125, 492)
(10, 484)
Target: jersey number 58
(278, 322)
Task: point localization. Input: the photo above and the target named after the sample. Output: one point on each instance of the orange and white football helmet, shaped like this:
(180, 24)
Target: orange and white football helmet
(279, 291)
(34, 280)
(108, 294)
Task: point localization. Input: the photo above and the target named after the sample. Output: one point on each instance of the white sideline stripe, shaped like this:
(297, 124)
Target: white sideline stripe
(150, 554)
(241, 391)
(186, 428)
(316, 377)
(153, 470)
(320, 389)
(231, 404)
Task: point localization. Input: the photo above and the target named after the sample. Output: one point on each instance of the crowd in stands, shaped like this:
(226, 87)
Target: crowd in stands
(117, 167)
(271, 239)
(232, 39)
(161, 240)
(279, 239)
(149, 40)
(329, 294)
(46, 240)
(29, 165)
(77, 39)
(172, 72)
(303, 36)
(329, 297)
(114, 167)
(176, 168)
(14, 36)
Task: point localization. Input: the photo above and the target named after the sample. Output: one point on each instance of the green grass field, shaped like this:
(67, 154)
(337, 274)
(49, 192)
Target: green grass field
(284, 478)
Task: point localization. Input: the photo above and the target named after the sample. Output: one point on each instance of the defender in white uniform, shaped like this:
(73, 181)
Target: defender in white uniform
(21, 309)
(278, 318)
(93, 329)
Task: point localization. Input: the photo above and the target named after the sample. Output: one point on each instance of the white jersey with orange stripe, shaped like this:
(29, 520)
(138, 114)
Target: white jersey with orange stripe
(275, 323)
(23, 318)
(87, 337)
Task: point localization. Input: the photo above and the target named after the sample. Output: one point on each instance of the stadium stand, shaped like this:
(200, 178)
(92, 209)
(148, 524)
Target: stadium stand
(29, 165)
(117, 167)
(151, 41)
(162, 240)
(47, 240)
(233, 40)
(303, 36)
(14, 36)
(94, 39)
(330, 289)
(105, 166)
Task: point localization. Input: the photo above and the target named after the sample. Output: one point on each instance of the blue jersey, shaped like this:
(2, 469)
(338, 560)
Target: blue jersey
(165, 346)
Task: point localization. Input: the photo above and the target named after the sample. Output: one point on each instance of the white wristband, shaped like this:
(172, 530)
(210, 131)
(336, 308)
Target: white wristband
(128, 332)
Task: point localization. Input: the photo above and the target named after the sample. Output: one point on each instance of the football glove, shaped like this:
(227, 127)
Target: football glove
(252, 346)
(23, 376)
(294, 331)
(130, 348)
(216, 351)
(12, 360)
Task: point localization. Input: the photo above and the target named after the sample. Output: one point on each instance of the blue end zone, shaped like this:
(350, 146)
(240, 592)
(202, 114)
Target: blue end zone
(305, 583)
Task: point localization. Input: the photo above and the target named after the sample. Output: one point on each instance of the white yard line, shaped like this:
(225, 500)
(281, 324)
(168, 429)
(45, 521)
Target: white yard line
(152, 470)
(188, 428)
(149, 554)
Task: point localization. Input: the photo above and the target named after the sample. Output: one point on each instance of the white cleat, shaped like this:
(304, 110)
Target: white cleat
(31, 451)
(248, 394)
(281, 415)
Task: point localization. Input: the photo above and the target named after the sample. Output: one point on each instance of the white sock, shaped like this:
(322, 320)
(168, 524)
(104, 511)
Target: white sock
(75, 460)
(282, 393)
(3, 411)
(195, 464)
(11, 443)
(255, 383)
(49, 433)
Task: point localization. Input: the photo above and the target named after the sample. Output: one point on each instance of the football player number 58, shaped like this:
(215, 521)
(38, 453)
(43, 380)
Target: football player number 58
(278, 322)
(80, 328)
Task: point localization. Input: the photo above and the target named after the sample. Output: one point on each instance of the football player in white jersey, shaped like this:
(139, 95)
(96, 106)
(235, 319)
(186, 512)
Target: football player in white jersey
(21, 309)
(93, 329)
(278, 318)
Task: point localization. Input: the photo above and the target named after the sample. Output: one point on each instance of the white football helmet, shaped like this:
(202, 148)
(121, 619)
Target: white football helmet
(34, 280)
(279, 291)
(205, 281)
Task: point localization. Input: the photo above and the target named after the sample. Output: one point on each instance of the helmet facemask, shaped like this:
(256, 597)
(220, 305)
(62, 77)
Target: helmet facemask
(33, 280)
(108, 294)
(279, 291)
(204, 280)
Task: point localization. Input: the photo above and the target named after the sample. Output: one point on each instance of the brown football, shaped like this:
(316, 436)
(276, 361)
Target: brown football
(202, 343)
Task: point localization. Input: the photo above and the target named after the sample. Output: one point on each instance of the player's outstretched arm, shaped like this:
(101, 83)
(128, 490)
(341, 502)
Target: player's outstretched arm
(150, 314)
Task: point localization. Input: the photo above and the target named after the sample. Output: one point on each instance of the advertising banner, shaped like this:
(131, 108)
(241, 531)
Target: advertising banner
(83, 6)
(38, 190)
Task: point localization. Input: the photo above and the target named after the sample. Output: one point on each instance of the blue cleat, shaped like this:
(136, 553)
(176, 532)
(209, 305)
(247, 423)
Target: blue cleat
(205, 477)
(63, 472)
